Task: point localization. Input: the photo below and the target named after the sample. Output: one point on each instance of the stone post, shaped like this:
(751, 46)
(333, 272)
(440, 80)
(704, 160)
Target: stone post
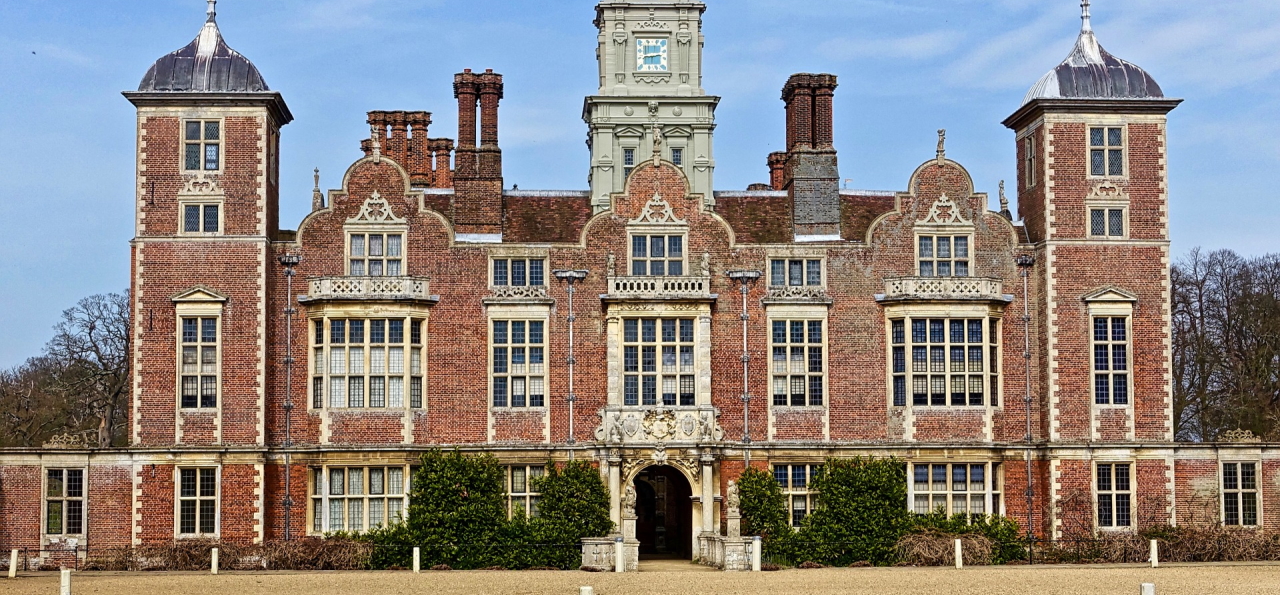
(213, 561)
(959, 554)
(1155, 554)
(708, 497)
(66, 582)
(417, 560)
(1148, 589)
(13, 564)
(619, 556)
(757, 547)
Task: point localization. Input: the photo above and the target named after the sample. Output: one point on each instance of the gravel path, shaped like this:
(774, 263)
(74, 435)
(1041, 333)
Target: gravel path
(1014, 580)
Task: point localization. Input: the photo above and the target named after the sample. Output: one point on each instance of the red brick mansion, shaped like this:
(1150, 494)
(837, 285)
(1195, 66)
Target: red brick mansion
(285, 382)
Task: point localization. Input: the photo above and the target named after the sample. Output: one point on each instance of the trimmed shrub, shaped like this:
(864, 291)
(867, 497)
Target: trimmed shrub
(861, 512)
(764, 511)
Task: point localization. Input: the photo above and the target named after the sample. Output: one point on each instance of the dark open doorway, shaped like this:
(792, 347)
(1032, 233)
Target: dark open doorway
(664, 513)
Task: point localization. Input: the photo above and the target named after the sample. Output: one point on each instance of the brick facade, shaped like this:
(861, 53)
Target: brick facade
(446, 199)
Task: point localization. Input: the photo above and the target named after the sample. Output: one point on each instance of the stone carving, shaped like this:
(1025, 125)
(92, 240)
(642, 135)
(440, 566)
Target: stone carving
(689, 466)
(653, 109)
(660, 425)
(1239, 435)
(707, 428)
(375, 141)
(660, 454)
(200, 185)
(375, 210)
(82, 439)
(614, 433)
(629, 500)
(797, 292)
(942, 146)
(1107, 190)
(945, 212)
(732, 500)
(705, 266)
(657, 212)
(611, 265)
(520, 291)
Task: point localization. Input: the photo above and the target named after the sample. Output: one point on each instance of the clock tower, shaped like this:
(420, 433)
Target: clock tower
(650, 56)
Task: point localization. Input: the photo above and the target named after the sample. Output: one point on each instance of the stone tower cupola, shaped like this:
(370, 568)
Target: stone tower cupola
(650, 77)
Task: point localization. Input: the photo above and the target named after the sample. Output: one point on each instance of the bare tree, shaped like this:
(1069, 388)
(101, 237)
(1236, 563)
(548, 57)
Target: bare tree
(31, 409)
(1226, 345)
(91, 348)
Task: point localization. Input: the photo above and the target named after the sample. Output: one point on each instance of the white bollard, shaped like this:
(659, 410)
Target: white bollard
(1148, 589)
(959, 554)
(756, 546)
(417, 560)
(619, 556)
(66, 582)
(213, 561)
(1155, 554)
(586, 591)
(13, 564)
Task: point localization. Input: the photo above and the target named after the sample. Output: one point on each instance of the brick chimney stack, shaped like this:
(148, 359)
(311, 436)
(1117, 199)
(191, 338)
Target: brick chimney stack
(811, 173)
(477, 176)
(406, 143)
(777, 170)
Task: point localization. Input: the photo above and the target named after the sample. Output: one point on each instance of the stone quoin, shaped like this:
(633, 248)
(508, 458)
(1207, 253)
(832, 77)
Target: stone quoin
(1018, 362)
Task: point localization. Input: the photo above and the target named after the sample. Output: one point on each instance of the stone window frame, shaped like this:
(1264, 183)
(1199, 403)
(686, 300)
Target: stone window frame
(951, 234)
(199, 498)
(221, 142)
(658, 373)
(1107, 210)
(538, 314)
(64, 498)
(201, 202)
(525, 499)
(790, 316)
(366, 229)
(649, 231)
(198, 303)
(1031, 155)
(1240, 491)
(414, 365)
(1110, 302)
(805, 263)
(524, 253)
(992, 490)
(1106, 148)
(1115, 495)
(321, 495)
(793, 494)
(992, 346)
(618, 312)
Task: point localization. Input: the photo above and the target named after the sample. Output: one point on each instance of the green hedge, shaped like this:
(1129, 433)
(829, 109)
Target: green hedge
(458, 517)
(859, 515)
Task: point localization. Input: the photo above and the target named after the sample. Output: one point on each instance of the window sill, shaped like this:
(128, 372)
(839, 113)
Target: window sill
(798, 407)
(539, 409)
(368, 409)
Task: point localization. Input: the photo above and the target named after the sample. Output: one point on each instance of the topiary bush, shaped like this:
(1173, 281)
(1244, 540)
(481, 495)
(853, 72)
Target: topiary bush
(861, 512)
(764, 511)
(458, 517)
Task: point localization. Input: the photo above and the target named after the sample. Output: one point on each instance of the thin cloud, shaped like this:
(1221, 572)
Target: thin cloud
(914, 47)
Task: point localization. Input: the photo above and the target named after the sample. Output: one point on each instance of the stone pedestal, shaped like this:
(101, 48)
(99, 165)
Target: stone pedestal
(734, 521)
(598, 552)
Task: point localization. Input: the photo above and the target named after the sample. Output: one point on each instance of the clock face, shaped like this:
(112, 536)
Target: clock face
(651, 55)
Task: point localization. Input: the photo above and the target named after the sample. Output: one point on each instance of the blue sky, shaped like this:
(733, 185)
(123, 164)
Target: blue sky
(906, 67)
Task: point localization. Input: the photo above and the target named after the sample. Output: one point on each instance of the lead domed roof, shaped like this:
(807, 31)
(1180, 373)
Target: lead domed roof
(1090, 72)
(206, 65)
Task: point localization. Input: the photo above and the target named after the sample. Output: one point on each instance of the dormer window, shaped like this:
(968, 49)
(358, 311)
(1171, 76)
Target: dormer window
(944, 256)
(375, 254)
(203, 145)
(519, 272)
(1106, 152)
(657, 255)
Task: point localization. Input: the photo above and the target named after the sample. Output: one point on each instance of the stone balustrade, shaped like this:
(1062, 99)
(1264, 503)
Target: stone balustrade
(943, 288)
(368, 288)
(660, 288)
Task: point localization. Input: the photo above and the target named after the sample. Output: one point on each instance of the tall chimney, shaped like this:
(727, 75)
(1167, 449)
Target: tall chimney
(467, 92)
(812, 175)
(409, 152)
(777, 170)
(477, 175)
(490, 87)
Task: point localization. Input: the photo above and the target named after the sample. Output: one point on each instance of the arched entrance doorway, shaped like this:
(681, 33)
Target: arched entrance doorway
(664, 513)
